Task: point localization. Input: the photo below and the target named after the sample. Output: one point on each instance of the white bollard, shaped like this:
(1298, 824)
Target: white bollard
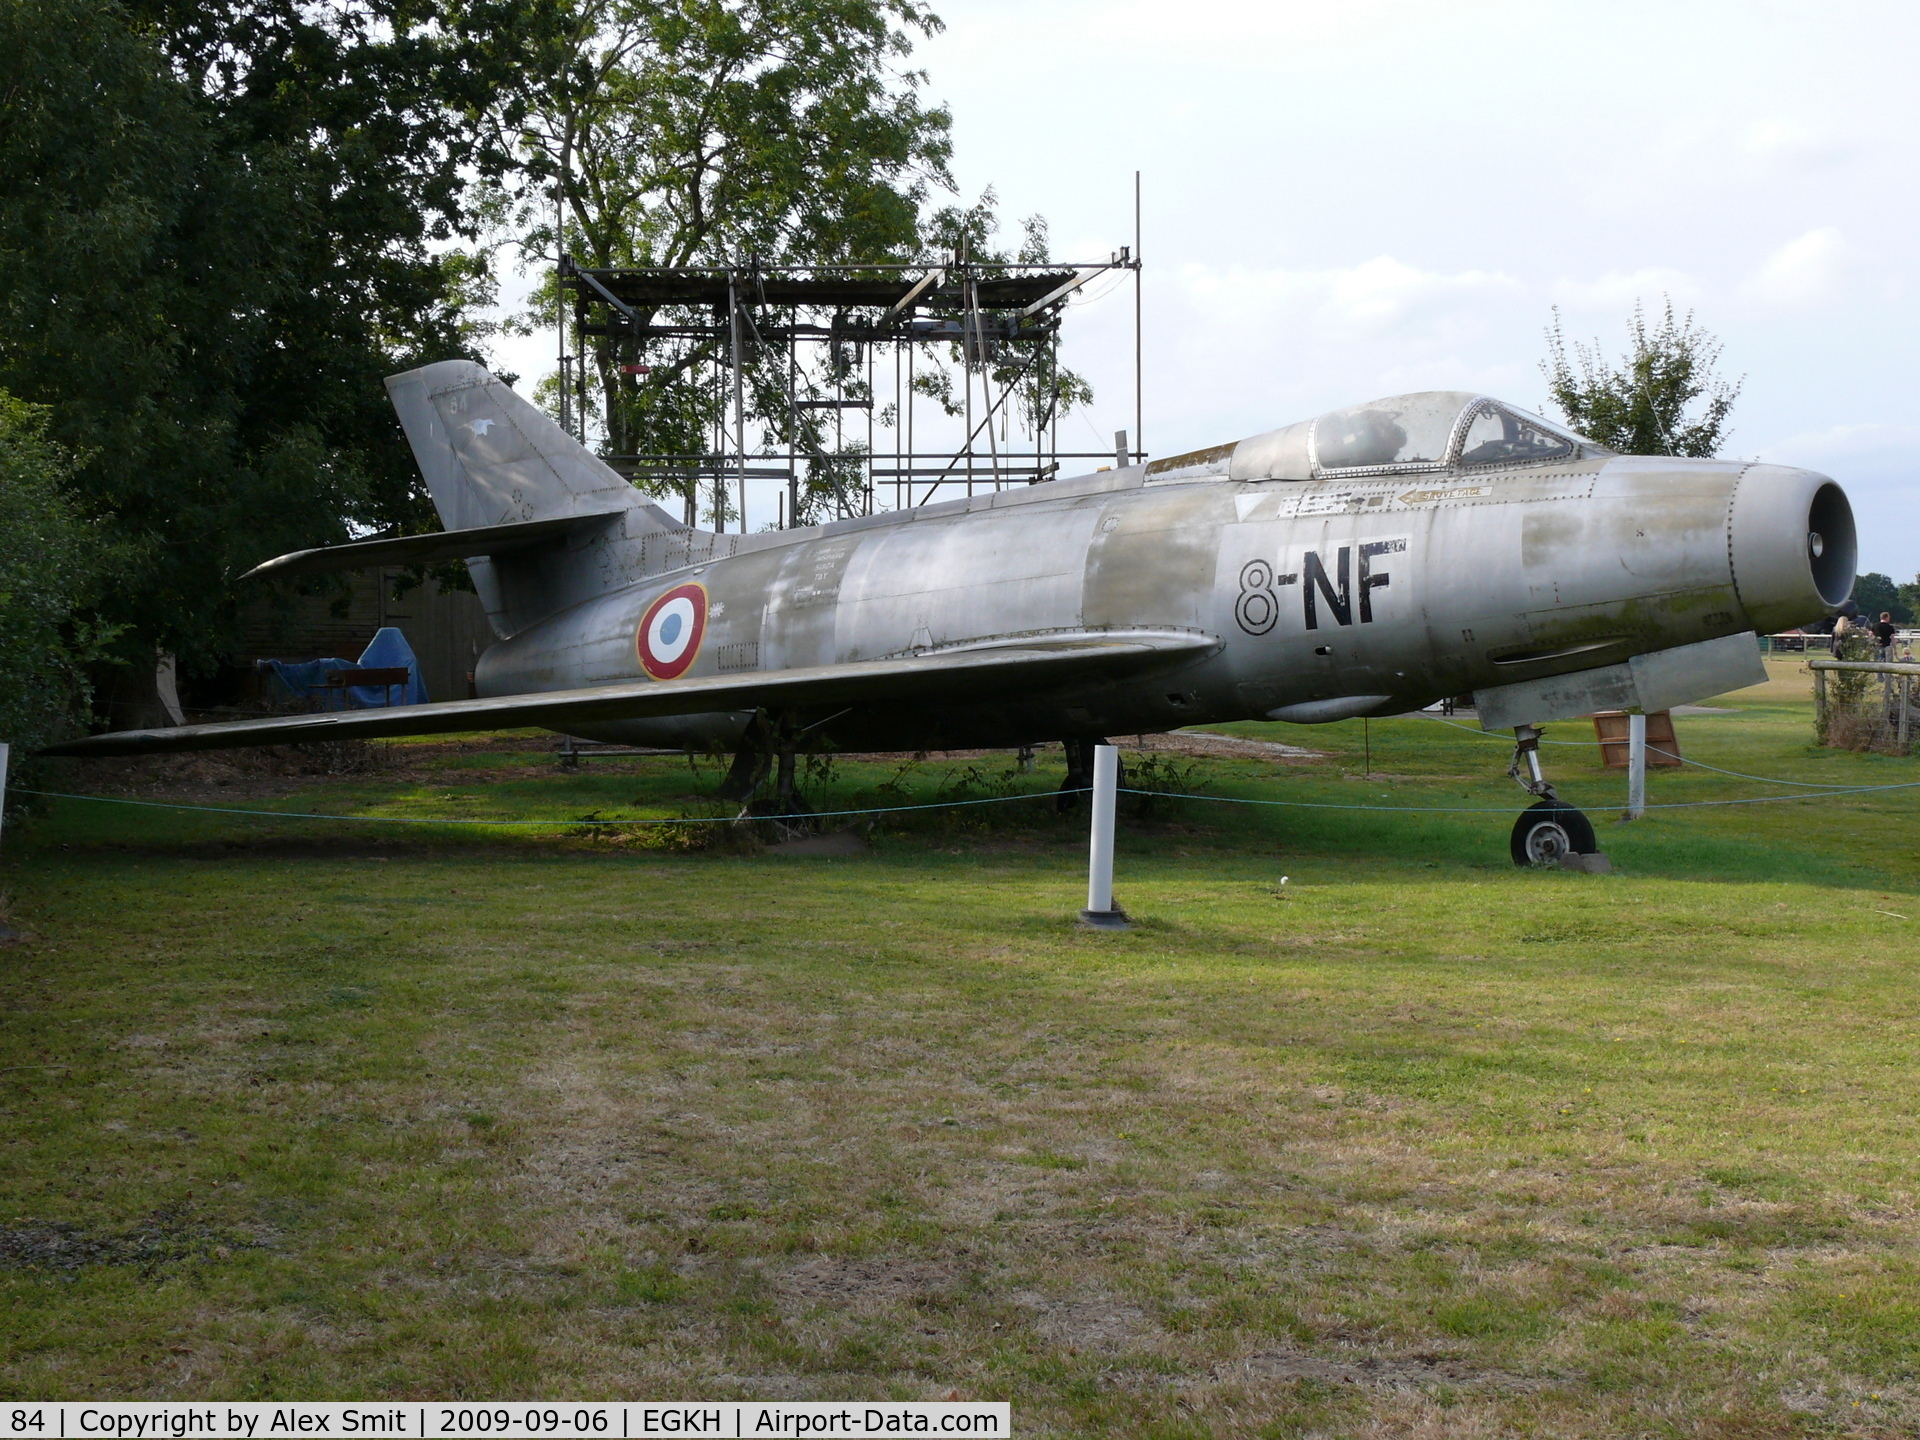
(1636, 766)
(1101, 911)
(3, 783)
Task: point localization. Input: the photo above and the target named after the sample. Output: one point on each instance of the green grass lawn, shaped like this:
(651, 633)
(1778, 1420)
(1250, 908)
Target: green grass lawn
(1417, 1144)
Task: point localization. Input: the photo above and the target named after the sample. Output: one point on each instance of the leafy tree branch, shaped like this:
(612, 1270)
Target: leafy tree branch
(1641, 404)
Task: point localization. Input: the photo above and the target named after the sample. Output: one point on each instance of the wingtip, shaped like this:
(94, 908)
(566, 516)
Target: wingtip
(291, 562)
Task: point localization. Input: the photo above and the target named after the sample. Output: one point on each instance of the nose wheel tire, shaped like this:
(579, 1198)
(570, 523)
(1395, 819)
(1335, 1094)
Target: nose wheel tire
(1548, 830)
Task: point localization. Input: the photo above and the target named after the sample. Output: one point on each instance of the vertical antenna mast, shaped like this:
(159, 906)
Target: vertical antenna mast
(1139, 427)
(966, 353)
(739, 395)
(560, 290)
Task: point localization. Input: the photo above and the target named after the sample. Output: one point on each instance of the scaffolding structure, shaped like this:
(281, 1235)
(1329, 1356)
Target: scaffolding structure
(834, 333)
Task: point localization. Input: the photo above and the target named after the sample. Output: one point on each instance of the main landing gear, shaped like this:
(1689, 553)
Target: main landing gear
(1079, 773)
(1549, 829)
(770, 745)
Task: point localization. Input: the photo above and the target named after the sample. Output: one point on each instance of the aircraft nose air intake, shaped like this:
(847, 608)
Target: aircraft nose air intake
(1830, 543)
(1792, 544)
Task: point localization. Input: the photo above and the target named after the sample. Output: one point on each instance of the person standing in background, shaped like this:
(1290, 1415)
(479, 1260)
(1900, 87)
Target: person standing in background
(1847, 623)
(1883, 632)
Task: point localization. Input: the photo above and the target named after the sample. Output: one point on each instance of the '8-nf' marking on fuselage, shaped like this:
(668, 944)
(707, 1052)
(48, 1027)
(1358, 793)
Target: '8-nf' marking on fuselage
(1333, 589)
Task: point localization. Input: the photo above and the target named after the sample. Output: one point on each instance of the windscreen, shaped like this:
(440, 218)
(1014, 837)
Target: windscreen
(1499, 436)
(1408, 430)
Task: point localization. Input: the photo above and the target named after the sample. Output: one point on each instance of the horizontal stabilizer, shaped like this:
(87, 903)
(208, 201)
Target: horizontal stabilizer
(978, 674)
(489, 540)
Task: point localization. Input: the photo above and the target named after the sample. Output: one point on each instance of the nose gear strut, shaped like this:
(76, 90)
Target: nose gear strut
(1525, 769)
(1549, 831)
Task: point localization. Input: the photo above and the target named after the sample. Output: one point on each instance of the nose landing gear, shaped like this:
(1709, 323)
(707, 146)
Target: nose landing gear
(1549, 830)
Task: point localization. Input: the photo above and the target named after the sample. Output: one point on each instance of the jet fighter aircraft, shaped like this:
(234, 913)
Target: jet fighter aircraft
(1367, 562)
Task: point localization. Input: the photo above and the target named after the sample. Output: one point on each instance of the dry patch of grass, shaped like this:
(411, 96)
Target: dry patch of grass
(1421, 1145)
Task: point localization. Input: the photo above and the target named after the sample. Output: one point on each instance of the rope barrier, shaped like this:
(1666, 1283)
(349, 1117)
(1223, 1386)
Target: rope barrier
(1820, 790)
(1656, 750)
(429, 820)
(1484, 734)
(1507, 809)
(1831, 792)
(1741, 775)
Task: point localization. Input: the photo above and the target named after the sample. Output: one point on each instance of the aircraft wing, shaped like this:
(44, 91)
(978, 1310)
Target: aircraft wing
(428, 549)
(1039, 663)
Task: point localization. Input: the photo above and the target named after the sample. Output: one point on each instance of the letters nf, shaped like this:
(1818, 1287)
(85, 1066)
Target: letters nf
(1334, 582)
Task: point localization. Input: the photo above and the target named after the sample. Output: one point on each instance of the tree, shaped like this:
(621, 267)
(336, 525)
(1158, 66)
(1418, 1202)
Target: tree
(51, 565)
(1874, 592)
(699, 132)
(1041, 388)
(222, 223)
(1640, 406)
(1910, 600)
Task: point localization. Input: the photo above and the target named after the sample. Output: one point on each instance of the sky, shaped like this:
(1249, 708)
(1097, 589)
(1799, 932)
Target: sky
(1349, 200)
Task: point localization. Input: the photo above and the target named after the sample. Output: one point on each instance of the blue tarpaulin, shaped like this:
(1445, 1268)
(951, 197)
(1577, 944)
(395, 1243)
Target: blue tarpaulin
(387, 651)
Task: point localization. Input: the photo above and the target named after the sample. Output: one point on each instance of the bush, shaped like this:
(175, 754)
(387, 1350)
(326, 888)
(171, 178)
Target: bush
(1858, 716)
(50, 566)
(1155, 783)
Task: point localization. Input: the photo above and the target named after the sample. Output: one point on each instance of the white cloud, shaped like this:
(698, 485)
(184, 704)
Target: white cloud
(1378, 298)
(1614, 293)
(1234, 350)
(1804, 271)
(1881, 449)
(1218, 34)
(1790, 143)
(1878, 464)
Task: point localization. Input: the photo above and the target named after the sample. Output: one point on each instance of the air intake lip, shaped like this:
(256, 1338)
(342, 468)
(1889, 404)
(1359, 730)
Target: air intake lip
(1832, 546)
(1781, 577)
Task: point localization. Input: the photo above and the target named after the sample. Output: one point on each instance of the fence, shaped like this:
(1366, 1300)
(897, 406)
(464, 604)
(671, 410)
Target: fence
(1799, 642)
(1894, 719)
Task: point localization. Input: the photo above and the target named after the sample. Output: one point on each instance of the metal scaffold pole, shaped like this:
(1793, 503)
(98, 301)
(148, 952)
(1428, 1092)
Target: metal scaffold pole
(739, 404)
(679, 331)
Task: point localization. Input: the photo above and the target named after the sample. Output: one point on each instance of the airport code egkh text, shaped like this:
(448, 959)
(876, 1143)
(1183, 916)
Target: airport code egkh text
(265, 1420)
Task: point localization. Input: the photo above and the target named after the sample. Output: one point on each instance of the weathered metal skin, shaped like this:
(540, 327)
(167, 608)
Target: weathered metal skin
(1365, 562)
(1376, 594)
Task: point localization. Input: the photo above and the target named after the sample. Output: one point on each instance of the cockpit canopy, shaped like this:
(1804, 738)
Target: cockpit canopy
(1430, 430)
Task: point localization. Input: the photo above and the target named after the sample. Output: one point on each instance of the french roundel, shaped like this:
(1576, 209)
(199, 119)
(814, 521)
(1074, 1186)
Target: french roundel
(671, 630)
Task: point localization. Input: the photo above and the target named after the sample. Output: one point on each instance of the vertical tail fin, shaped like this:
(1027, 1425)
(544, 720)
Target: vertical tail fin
(491, 458)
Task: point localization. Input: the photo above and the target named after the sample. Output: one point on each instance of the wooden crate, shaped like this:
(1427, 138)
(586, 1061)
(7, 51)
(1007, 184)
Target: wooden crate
(1611, 728)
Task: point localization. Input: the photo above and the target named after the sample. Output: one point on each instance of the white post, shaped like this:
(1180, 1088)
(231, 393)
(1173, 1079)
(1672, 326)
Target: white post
(1101, 910)
(1636, 766)
(3, 782)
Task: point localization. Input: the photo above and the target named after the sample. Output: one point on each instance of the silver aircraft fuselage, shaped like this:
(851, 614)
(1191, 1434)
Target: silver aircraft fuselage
(1328, 598)
(1365, 562)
